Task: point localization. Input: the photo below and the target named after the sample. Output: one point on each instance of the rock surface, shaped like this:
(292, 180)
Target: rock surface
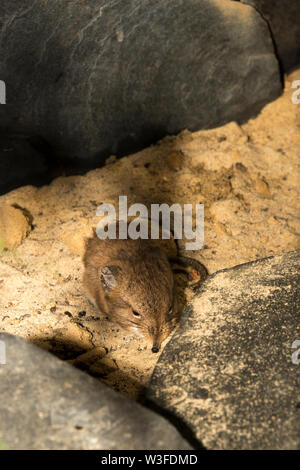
(228, 371)
(47, 404)
(283, 17)
(102, 78)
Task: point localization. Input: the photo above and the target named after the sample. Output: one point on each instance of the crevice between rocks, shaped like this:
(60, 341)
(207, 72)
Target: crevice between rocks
(280, 66)
(178, 423)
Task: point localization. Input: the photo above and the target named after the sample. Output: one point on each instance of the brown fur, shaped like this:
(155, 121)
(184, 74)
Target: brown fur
(137, 278)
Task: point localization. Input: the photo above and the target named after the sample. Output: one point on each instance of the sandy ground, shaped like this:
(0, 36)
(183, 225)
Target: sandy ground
(248, 179)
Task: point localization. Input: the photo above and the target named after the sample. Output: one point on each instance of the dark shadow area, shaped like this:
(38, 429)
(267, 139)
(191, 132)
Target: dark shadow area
(61, 348)
(73, 106)
(179, 424)
(283, 20)
(72, 353)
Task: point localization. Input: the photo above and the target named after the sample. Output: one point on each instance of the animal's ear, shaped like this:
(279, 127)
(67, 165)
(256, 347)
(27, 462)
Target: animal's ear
(109, 276)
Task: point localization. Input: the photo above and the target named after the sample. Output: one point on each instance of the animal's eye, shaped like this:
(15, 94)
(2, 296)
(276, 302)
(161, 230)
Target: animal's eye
(136, 314)
(170, 313)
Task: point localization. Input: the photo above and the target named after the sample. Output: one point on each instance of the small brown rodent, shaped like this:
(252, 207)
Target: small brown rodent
(132, 282)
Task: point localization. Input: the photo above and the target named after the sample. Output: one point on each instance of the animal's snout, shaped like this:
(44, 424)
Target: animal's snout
(156, 341)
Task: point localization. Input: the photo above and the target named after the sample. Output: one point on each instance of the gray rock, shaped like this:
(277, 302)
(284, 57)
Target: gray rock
(48, 404)
(230, 372)
(101, 78)
(283, 17)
